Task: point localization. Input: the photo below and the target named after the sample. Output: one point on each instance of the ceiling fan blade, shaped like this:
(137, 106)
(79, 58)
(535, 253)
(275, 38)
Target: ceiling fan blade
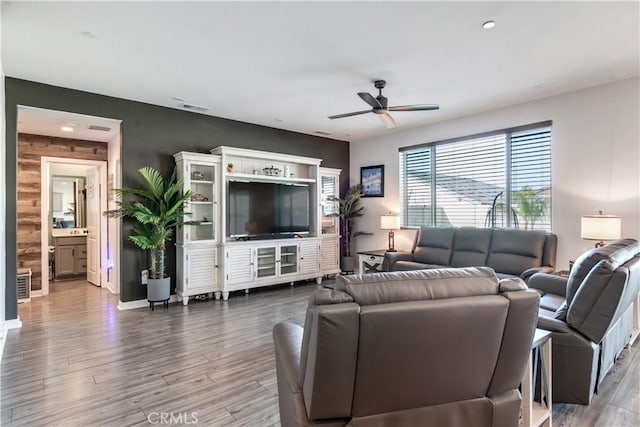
(369, 99)
(417, 107)
(388, 120)
(355, 113)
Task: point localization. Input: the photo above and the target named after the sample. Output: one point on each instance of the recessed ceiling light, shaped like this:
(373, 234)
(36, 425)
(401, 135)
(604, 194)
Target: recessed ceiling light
(88, 34)
(489, 24)
(66, 129)
(279, 120)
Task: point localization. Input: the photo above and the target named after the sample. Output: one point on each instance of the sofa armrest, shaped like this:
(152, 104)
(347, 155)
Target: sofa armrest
(287, 338)
(391, 258)
(531, 271)
(549, 283)
(553, 325)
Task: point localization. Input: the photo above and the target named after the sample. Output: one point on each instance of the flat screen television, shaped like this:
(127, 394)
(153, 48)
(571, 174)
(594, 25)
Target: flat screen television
(267, 209)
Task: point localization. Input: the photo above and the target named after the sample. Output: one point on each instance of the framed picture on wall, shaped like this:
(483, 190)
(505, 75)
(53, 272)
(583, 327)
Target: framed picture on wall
(372, 180)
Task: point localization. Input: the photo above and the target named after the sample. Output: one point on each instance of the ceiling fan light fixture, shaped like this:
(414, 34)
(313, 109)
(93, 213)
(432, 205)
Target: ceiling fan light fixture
(379, 106)
(488, 24)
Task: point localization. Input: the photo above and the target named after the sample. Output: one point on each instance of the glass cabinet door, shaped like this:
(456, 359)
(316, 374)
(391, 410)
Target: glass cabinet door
(266, 261)
(328, 189)
(201, 181)
(288, 259)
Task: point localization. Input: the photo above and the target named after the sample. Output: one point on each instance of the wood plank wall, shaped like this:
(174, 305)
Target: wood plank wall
(30, 149)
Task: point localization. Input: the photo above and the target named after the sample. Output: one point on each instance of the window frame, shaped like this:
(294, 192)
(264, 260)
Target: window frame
(507, 132)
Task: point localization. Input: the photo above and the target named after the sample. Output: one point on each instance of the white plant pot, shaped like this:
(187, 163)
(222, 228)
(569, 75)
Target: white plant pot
(159, 289)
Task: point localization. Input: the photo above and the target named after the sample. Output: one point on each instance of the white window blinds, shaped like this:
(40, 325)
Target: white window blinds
(471, 181)
(469, 175)
(531, 178)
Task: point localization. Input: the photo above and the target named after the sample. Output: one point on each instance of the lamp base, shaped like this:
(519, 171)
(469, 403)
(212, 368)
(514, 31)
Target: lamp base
(391, 245)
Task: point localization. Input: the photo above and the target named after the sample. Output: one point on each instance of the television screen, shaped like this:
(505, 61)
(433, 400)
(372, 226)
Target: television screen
(266, 209)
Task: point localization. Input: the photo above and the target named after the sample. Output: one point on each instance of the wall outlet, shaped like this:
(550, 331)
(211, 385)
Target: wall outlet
(144, 277)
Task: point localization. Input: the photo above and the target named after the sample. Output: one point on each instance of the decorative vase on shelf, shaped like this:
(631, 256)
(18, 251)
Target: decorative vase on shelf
(230, 167)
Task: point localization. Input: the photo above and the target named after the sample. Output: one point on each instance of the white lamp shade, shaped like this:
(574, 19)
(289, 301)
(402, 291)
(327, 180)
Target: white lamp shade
(601, 227)
(389, 222)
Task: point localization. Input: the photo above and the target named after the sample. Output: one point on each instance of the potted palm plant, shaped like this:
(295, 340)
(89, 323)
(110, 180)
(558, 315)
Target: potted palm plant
(349, 210)
(158, 206)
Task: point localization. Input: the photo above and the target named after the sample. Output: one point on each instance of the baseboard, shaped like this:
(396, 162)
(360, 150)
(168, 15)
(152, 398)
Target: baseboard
(12, 324)
(111, 288)
(140, 303)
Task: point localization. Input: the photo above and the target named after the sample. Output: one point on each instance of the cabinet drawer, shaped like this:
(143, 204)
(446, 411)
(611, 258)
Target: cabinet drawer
(81, 266)
(74, 240)
(81, 251)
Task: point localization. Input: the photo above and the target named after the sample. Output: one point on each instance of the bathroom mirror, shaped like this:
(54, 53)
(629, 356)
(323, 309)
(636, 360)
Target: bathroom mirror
(68, 207)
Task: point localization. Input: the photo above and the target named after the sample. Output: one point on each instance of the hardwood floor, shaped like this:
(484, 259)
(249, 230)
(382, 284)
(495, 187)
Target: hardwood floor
(78, 361)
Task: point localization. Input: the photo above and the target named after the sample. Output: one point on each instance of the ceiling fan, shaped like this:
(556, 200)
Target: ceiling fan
(379, 106)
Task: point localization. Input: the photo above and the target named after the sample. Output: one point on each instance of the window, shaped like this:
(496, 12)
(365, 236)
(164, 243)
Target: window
(471, 181)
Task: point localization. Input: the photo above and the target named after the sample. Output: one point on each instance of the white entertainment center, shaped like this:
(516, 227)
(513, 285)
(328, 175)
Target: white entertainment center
(215, 258)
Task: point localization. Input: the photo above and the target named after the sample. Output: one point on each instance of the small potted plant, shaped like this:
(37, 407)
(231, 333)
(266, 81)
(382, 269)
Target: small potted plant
(348, 210)
(229, 167)
(157, 207)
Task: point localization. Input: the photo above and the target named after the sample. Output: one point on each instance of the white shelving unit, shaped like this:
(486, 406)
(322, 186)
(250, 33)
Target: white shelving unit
(250, 265)
(244, 265)
(329, 186)
(198, 267)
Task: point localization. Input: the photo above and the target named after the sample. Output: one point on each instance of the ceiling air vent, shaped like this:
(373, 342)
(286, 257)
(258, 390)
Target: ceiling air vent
(192, 107)
(100, 128)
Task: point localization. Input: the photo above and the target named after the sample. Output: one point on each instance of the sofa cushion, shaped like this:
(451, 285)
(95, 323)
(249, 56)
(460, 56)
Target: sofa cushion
(604, 294)
(399, 286)
(471, 247)
(551, 302)
(617, 252)
(514, 251)
(434, 245)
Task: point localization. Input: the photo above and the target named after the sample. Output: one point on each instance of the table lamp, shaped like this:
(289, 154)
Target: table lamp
(390, 222)
(600, 227)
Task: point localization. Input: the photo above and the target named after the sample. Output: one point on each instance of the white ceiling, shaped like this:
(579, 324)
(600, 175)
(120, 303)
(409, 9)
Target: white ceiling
(289, 65)
(39, 121)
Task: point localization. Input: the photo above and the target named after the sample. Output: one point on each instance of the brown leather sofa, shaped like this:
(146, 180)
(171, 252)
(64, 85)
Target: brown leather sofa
(417, 348)
(591, 316)
(510, 252)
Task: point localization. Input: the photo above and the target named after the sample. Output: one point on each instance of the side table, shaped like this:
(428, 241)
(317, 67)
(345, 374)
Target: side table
(371, 261)
(537, 413)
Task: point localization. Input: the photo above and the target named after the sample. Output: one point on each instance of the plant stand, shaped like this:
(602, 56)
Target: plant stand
(165, 303)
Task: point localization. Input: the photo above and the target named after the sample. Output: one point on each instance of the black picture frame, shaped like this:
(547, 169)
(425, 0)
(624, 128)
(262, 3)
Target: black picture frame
(372, 181)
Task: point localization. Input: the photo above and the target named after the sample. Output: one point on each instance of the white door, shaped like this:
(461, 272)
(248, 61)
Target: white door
(93, 226)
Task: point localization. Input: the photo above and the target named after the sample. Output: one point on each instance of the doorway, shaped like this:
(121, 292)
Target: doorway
(83, 152)
(76, 247)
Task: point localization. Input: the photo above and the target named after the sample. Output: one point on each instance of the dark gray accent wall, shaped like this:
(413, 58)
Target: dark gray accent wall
(150, 136)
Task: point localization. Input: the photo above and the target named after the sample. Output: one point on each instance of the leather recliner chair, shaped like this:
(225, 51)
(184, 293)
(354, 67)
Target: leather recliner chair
(591, 316)
(433, 347)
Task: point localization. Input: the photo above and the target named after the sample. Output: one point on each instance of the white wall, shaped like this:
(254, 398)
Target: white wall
(595, 161)
(114, 240)
(3, 191)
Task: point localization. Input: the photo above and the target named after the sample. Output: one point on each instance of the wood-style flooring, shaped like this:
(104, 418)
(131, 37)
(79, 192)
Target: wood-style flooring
(78, 361)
